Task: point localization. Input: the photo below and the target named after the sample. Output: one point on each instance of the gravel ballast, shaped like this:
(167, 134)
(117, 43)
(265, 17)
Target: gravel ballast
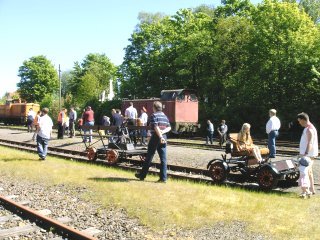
(114, 222)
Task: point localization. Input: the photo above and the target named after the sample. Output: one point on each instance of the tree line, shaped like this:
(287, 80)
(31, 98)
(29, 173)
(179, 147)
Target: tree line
(242, 59)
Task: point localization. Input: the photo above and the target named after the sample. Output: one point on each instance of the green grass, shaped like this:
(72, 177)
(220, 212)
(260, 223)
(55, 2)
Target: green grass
(180, 203)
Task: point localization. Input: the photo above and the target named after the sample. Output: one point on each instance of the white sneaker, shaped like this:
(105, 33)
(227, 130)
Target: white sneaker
(303, 195)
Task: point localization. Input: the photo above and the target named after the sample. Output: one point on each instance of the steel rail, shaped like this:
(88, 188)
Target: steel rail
(178, 172)
(280, 143)
(196, 174)
(43, 221)
(216, 147)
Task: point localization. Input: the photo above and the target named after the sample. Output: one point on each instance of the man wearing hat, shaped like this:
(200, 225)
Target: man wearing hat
(143, 121)
(272, 129)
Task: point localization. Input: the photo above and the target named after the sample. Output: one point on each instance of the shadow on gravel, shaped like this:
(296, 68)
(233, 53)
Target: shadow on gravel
(67, 144)
(112, 179)
(18, 133)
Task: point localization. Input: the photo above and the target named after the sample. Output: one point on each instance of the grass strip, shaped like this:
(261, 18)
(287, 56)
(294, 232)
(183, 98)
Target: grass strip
(178, 203)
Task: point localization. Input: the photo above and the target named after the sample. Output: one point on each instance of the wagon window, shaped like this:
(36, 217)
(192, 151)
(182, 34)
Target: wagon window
(193, 97)
(181, 97)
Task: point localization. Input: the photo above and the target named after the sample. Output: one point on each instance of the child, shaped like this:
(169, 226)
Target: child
(304, 180)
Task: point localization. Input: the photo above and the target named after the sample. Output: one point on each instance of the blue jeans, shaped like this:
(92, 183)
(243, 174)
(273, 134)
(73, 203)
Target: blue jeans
(42, 146)
(90, 131)
(153, 146)
(272, 143)
(209, 137)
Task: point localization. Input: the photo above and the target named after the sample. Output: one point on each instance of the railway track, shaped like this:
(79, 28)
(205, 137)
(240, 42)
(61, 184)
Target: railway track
(24, 221)
(174, 171)
(282, 146)
(289, 152)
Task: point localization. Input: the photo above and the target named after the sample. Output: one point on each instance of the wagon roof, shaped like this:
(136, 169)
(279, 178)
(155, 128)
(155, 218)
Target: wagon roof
(172, 94)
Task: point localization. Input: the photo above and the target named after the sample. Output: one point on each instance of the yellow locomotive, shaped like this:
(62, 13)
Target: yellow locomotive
(15, 112)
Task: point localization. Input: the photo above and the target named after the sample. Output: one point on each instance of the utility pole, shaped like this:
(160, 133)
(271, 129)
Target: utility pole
(59, 88)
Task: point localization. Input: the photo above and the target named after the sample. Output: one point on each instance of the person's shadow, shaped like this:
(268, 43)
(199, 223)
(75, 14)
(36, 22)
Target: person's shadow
(112, 179)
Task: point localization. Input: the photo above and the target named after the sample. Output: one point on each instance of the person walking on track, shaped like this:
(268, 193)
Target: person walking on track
(72, 122)
(210, 131)
(160, 126)
(44, 130)
(308, 144)
(60, 123)
(222, 131)
(88, 119)
(30, 118)
(272, 129)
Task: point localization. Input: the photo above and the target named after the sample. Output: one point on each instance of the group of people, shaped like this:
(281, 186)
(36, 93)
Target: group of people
(66, 122)
(308, 147)
(272, 129)
(160, 126)
(222, 131)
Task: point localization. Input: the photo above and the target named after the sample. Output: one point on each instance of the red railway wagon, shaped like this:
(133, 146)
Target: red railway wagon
(180, 105)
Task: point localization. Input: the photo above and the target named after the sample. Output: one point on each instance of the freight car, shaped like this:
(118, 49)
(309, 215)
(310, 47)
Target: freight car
(15, 112)
(180, 105)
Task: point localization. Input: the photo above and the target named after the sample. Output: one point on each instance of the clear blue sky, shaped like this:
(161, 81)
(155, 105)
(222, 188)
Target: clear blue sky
(65, 31)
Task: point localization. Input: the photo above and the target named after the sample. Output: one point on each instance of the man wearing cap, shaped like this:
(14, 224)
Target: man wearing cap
(308, 144)
(272, 129)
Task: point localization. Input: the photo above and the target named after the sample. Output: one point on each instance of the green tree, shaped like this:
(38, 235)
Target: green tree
(281, 52)
(38, 78)
(89, 78)
(311, 7)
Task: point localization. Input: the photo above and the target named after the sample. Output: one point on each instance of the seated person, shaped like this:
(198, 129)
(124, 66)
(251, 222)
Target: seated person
(246, 144)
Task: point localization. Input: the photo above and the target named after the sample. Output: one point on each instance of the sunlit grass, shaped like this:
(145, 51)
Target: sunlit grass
(179, 203)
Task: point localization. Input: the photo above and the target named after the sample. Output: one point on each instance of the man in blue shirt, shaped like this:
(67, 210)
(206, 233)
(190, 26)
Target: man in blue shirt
(158, 142)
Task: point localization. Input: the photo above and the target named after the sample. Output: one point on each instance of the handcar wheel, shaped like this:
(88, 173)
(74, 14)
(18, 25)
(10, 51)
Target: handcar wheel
(293, 177)
(92, 153)
(217, 172)
(112, 156)
(267, 179)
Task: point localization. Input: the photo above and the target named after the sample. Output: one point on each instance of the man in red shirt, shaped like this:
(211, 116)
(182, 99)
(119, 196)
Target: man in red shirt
(88, 120)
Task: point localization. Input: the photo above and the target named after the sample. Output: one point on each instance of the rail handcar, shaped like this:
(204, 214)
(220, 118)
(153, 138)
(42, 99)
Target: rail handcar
(180, 105)
(16, 112)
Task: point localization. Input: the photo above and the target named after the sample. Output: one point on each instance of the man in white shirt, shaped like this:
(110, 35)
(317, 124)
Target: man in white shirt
(272, 129)
(30, 118)
(44, 133)
(131, 112)
(143, 121)
(131, 115)
(308, 144)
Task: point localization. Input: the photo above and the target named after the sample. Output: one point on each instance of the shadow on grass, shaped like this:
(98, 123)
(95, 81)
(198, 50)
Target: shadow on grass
(113, 179)
(15, 159)
(241, 182)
